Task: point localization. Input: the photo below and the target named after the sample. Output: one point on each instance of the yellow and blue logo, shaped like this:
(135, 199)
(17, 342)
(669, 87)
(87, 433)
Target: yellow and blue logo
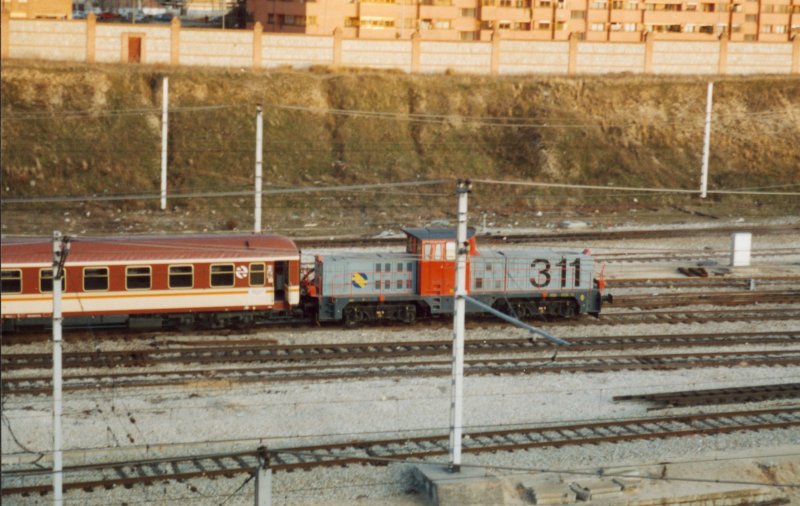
(359, 280)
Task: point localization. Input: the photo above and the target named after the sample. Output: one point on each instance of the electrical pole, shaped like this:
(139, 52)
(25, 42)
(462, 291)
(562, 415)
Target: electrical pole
(259, 167)
(263, 478)
(164, 127)
(706, 142)
(457, 385)
(60, 250)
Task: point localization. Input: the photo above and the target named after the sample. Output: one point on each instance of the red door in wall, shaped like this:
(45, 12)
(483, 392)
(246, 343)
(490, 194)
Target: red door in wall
(134, 49)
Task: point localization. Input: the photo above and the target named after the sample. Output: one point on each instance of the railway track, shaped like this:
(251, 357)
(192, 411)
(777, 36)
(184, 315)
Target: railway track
(715, 282)
(717, 396)
(708, 298)
(248, 352)
(370, 369)
(558, 237)
(606, 318)
(30, 482)
(670, 256)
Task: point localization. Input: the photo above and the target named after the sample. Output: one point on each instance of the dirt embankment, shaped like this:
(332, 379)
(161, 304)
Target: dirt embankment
(79, 130)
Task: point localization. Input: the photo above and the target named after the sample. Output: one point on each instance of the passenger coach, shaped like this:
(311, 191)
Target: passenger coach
(209, 280)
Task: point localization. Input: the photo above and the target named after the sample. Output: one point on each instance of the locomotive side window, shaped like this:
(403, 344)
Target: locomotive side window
(437, 255)
(181, 276)
(137, 278)
(95, 278)
(377, 267)
(222, 275)
(387, 267)
(399, 266)
(409, 266)
(428, 251)
(257, 275)
(11, 281)
(450, 250)
(46, 280)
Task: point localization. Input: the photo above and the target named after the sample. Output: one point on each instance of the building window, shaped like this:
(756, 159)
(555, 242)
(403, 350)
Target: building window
(709, 7)
(688, 28)
(257, 277)
(46, 280)
(270, 19)
(578, 14)
(350, 22)
(706, 29)
(629, 27)
(181, 276)
(468, 13)
(467, 36)
(137, 278)
(222, 275)
(545, 3)
(11, 281)
(751, 18)
(598, 27)
(95, 278)
(543, 25)
(487, 25)
(561, 26)
(599, 4)
(618, 5)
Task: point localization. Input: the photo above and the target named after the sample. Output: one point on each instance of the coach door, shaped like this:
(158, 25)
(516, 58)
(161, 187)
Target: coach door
(281, 271)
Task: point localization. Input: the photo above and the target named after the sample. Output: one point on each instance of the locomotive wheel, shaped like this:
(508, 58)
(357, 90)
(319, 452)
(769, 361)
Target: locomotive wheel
(352, 317)
(408, 315)
(568, 310)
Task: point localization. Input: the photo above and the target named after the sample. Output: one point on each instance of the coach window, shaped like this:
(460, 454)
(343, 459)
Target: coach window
(11, 281)
(95, 278)
(222, 275)
(137, 278)
(257, 275)
(46, 280)
(181, 276)
(437, 255)
(428, 252)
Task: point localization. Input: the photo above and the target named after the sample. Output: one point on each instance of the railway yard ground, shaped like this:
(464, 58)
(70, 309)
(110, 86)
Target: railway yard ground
(685, 391)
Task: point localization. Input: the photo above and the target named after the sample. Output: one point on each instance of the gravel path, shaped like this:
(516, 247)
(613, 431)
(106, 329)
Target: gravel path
(209, 417)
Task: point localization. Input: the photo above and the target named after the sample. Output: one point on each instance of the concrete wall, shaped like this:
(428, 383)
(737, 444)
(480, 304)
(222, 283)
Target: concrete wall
(68, 40)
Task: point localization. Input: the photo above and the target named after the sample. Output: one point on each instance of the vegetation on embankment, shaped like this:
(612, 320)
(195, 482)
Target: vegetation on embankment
(74, 129)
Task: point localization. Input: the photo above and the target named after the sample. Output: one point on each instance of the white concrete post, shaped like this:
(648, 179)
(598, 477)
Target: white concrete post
(164, 127)
(706, 142)
(57, 456)
(263, 479)
(259, 167)
(740, 249)
(457, 384)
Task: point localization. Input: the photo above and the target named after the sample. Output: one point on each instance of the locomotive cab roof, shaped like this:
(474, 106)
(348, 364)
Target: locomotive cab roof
(436, 233)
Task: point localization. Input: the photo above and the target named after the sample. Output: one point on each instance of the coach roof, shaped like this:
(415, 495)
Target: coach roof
(152, 248)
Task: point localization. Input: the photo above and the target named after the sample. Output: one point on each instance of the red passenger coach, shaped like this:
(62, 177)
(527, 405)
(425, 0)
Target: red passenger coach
(213, 281)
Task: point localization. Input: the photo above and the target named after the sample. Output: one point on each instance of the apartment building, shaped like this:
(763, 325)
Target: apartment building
(38, 9)
(591, 20)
